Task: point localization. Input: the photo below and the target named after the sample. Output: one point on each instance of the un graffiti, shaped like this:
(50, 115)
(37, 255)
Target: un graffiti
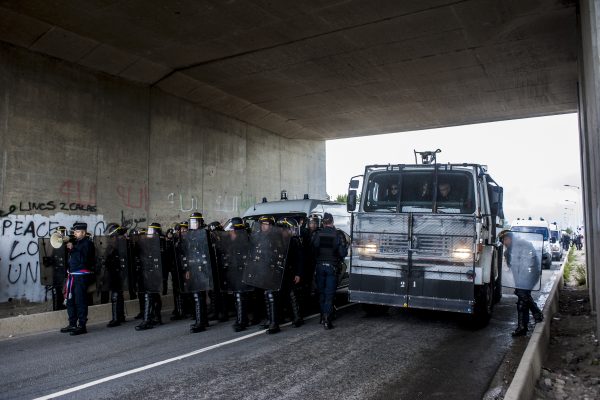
(19, 252)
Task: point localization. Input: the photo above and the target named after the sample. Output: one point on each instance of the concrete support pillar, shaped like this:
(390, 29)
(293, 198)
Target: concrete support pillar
(589, 114)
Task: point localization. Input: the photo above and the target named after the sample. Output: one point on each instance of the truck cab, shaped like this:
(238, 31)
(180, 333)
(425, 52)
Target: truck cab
(425, 236)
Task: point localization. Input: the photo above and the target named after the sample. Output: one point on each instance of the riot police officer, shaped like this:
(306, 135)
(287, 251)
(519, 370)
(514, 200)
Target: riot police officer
(171, 238)
(115, 270)
(218, 300)
(56, 260)
(196, 221)
(272, 302)
(81, 264)
(521, 259)
(152, 300)
(329, 249)
(137, 279)
(293, 278)
(238, 242)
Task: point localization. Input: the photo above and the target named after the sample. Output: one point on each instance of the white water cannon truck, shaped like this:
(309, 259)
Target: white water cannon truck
(425, 236)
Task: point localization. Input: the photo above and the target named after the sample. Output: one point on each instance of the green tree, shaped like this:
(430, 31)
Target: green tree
(341, 198)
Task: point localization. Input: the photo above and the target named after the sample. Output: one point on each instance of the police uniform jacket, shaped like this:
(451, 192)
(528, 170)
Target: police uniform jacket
(82, 257)
(329, 245)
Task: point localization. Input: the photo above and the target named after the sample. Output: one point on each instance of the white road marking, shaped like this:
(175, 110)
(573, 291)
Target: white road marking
(167, 361)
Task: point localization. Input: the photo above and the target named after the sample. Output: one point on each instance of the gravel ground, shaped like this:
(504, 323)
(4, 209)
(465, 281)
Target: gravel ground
(572, 370)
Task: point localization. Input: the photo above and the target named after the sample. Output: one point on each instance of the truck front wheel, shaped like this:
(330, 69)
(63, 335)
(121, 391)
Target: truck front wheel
(484, 303)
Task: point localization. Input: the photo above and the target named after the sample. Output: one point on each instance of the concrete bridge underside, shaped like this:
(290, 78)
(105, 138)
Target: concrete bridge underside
(323, 69)
(143, 109)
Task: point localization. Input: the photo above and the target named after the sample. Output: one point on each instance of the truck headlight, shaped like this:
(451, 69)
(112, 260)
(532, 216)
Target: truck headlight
(368, 249)
(462, 253)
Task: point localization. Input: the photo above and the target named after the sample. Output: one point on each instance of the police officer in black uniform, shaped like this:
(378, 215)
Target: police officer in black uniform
(81, 264)
(152, 301)
(218, 300)
(271, 297)
(292, 280)
(59, 275)
(237, 231)
(196, 221)
(114, 270)
(329, 249)
(521, 259)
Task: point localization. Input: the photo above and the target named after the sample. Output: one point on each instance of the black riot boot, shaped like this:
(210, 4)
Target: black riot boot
(272, 312)
(147, 322)
(264, 323)
(157, 309)
(538, 316)
(200, 313)
(327, 324)
(522, 319)
(120, 307)
(58, 301)
(178, 309)
(241, 321)
(142, 302)
(115, 319)
(295, 303)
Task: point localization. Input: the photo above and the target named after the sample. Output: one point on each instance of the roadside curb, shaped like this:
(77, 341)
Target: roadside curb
(529, 369)
(53, 320)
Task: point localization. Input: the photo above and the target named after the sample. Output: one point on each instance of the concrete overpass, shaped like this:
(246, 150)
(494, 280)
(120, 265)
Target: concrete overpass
(146, 110)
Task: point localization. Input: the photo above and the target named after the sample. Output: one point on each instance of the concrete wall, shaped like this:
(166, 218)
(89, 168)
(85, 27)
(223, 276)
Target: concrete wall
(80, 145)
(589, 87)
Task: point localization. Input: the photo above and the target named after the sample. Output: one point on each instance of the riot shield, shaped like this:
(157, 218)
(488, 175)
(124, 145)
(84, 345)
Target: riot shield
(150, 256)
(232, 249)
(266, 263)
(112, 263)
(522, 260)
(194, 262)
(105, 250)
(124, 265)
(53, 263)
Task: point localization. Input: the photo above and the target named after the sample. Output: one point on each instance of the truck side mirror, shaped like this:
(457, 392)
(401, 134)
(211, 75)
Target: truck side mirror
(351, 201)
(354, 184)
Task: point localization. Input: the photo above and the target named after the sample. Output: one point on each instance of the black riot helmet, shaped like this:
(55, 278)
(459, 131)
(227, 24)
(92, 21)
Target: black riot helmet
(62, 230)
(237, 224)
(154, 229)
(196, 221)
(114, 229)
(184, 226)
(289, 223)
(267, 219)
(215, 226)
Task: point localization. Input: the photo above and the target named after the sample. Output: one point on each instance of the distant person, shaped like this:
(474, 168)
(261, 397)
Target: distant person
(522, 260)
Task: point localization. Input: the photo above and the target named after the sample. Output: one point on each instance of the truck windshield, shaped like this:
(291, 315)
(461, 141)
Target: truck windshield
(413, 191)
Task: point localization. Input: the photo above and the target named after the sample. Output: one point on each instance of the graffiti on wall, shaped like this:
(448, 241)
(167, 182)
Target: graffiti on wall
(234, 204)
(182, 202)
(134, 196)
(19, 258)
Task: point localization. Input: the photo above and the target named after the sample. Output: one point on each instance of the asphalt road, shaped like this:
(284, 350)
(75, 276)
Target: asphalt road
(406, 354)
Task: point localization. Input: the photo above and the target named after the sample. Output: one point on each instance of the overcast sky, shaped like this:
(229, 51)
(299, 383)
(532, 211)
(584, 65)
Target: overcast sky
(531, 158)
